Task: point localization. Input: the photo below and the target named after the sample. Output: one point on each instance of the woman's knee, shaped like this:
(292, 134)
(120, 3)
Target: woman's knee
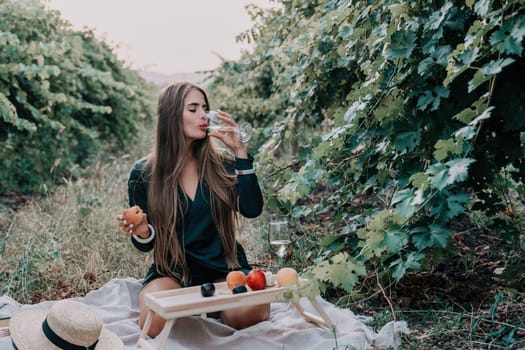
(157, 322)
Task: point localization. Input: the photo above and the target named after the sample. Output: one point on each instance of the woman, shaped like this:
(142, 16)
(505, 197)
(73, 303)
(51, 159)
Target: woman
(191, 198)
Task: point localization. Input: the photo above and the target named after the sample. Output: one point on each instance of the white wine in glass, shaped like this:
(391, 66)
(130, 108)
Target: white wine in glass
(244, 131)
(279, 237)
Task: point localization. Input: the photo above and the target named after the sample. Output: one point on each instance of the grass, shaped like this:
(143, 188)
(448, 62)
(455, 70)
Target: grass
(69, 242)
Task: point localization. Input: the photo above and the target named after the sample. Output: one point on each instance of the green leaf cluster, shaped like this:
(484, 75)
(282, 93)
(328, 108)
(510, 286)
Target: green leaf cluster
(64, 96)
(419, 104)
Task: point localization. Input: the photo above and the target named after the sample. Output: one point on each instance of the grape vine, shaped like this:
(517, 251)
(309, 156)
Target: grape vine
(418, 104)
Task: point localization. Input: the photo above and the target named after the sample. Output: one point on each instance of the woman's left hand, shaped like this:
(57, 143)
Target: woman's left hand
(230, 137)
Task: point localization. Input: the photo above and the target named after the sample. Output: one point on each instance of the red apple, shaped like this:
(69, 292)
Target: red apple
(256, 279)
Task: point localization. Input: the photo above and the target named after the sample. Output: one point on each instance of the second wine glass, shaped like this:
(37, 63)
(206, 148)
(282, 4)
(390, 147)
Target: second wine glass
(279, 237)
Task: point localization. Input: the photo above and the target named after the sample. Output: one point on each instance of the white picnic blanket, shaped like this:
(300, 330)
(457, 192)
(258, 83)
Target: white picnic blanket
(117, 303)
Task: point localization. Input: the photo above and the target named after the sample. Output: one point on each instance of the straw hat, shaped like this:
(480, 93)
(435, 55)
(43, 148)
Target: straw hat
(67, 324)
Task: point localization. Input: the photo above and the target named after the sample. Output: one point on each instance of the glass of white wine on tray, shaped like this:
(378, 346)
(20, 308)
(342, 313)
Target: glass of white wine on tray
(279, 237)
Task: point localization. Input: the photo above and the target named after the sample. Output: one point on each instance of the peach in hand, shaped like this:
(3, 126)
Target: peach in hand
(133, 215)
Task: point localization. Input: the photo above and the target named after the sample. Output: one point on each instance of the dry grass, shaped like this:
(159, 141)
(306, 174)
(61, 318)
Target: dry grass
(68, 242)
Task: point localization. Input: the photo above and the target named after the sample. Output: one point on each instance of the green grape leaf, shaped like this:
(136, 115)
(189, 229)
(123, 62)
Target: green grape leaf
(396, 238)
(438, 174)
(406, 208)
(487, 71)
(466, 132)
(419, 180)
(432, 98)
(495, 67)
(487, 113)
(466, 115)
(7, 110)
(444, 147)
(438, 56)
(440, 235)
(403, 201)
(421, 238)
(333, 243)
(437, 17)
(401, 266)
(453, 171)
(433, 235)
(401, 44)
(509, 37)
(459, 61)
(458, 170)
(341, 271)
(478, 79)
(456, 204)
(481, 7)
(407, 141)
(402, 195)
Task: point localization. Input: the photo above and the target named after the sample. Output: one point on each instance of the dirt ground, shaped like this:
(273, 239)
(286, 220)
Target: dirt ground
(472, 298)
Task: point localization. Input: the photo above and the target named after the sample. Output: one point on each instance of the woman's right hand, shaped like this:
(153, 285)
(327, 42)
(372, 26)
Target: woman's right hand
(230, 138)
(129, 229)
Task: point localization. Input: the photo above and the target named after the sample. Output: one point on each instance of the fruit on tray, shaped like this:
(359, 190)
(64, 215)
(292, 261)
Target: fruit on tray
(270, 281)
(239, 289)
(287, 276)
(207, 289)
(133, 215)
(235, 278)
(256, 279)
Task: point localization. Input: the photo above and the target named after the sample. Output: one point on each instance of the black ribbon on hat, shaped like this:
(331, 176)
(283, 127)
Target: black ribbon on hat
(60, 342)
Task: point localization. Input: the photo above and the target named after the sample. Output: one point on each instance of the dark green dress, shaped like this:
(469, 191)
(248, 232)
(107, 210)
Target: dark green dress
(201, 240)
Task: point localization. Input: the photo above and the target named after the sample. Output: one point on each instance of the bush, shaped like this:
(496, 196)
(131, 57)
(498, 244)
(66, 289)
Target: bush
(418, 103)
(64, 96)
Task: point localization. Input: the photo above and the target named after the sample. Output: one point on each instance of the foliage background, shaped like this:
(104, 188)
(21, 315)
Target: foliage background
(407, 115)
(390, 134)
(64, 96)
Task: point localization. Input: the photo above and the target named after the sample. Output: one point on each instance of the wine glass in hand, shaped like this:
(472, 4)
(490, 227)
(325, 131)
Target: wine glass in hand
(244, 129)
(279, 237)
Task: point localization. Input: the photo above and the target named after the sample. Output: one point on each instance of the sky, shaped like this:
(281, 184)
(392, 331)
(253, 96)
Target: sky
(165, 36)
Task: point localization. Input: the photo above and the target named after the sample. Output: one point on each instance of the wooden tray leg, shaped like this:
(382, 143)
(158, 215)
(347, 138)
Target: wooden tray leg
(147, 325)
(165, 333)
(142, 344)
(323, 321)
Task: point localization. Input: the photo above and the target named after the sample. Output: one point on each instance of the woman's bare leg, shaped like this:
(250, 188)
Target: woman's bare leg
(246, 316)
(158, 284)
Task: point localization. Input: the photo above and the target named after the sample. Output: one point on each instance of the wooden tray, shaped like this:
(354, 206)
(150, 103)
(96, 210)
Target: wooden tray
(172, 304)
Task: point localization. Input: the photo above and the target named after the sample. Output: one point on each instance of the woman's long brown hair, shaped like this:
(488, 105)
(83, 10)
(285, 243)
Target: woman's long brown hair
(164, 165)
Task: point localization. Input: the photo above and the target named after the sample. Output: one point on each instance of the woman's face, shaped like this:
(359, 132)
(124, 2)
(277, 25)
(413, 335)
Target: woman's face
(194, 120)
